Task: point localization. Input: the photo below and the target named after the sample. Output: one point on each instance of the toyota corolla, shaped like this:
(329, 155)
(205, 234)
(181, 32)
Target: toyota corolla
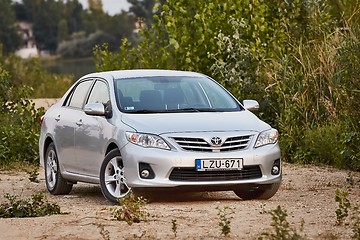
(157, 129)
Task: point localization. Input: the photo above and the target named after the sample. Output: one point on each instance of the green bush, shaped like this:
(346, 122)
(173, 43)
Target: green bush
(281, 227)
(19, 129)
(19, 133)
(335, 145)
(131, 209)
(37, 206)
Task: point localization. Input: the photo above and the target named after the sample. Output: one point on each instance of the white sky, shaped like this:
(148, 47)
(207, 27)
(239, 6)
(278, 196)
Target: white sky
(111, 6)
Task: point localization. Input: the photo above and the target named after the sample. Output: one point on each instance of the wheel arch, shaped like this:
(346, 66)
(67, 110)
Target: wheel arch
(47, 142)
(111, 147)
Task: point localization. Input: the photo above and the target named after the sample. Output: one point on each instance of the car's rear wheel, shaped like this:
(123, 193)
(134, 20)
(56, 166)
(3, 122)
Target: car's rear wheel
(112, 177)
(55, 183)
(263, 191)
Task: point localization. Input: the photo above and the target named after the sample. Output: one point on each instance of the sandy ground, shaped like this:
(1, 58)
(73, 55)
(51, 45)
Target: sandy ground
(307, 194)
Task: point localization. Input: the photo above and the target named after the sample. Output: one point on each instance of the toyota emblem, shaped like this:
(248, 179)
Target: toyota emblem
(216, 141)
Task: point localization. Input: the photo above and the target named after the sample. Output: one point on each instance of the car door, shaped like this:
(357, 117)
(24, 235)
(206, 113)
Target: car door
(91, 136)
(67, 119)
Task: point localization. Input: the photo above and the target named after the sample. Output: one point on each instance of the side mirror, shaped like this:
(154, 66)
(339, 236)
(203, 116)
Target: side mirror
(251, 105)
(95, 109)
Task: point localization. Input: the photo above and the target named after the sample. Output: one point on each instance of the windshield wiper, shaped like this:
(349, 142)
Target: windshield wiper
(198, 109)
(146, 111)
(174, 110)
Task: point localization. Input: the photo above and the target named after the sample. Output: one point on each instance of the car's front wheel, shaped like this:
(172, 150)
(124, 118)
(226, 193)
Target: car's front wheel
(112, 177)
(262, 192)
(55, 183)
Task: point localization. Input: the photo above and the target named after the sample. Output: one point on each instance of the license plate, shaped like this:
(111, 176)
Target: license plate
(219, 164)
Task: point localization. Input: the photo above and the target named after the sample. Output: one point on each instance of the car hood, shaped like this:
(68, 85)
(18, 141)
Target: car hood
(161, 123)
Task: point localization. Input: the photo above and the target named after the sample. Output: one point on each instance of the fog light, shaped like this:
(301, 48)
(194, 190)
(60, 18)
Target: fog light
(145, 173)
(275, 170)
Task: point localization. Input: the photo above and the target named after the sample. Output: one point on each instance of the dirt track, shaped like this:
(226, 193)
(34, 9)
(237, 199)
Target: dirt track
(307, 193)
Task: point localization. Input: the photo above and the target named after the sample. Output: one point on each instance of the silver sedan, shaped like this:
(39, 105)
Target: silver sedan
(152, 129)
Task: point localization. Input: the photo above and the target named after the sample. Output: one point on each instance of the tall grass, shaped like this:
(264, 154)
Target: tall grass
(315, 93)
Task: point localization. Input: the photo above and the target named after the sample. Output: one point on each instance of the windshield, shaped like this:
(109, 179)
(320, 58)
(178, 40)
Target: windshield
(172, 94)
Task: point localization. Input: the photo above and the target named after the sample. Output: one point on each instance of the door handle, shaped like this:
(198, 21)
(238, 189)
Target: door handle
(57, 118)
(79, 123)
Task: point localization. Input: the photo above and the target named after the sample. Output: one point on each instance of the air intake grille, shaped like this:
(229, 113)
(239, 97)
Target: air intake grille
(190, 174)
(201, 145)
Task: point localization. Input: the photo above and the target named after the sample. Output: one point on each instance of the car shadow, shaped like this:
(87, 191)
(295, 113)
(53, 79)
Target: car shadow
(188, 196)
(92, 192)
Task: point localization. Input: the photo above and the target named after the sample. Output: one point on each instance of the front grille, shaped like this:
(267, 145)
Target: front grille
(190, 174)
(201, 145)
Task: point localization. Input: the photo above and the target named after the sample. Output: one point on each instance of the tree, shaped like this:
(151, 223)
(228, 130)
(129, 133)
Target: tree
(184, 33)
(73, 15)
(142, 8)
(50, 18)
(63, 31)
(9, 31)
(45, 16)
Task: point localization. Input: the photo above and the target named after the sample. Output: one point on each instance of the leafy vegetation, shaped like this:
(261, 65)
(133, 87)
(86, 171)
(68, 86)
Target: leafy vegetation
(346, 214)
(281, 227)
(19, 131)
(37, 206)
(174, 227)
(8, 30)
(341, 197)
(33, 175)
(131, 209)
(225, 216)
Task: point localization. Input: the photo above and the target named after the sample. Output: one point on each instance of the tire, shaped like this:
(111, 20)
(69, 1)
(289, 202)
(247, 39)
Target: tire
(55, 183)
(260, 192)
(112, 177)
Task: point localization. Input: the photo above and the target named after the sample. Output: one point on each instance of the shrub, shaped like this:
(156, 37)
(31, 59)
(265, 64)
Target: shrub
(130, 209)
(225, 216)
(174, 227)
(341, 197)
(281, 227)
(37, 206)
(19, 131)
(347, 214)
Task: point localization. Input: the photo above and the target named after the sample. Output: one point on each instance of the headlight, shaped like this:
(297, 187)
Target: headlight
(267, 137)
(147, 140)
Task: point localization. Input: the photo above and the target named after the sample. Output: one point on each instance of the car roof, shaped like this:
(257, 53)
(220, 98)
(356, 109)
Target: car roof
(143, 73)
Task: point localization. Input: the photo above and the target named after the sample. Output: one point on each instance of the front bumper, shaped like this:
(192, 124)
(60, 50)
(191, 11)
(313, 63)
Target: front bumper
(165, 164)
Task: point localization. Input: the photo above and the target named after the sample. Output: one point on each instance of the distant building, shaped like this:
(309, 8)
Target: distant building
(29, 49)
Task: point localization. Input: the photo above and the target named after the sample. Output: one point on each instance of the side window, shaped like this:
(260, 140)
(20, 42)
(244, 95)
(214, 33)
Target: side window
(79, 94)
(99, 93)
